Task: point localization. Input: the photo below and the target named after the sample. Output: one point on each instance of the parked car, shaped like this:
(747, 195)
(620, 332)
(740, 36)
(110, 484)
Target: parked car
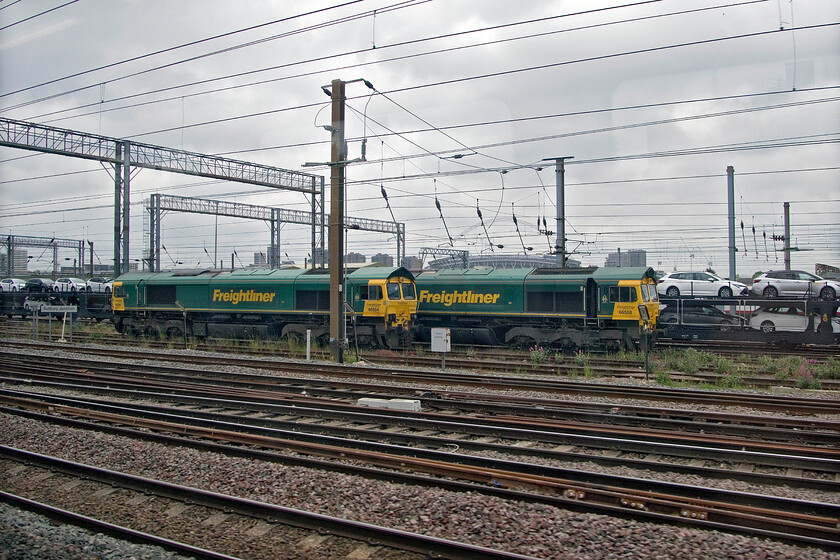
(12, 285)
(40, 285)
(785, 318)
(697, 315)
(70, 285)
(704, 284)
(794, 283)
(99, 284)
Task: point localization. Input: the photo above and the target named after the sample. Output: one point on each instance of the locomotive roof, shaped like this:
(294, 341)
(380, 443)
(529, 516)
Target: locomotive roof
(201, 275)
(502, 274)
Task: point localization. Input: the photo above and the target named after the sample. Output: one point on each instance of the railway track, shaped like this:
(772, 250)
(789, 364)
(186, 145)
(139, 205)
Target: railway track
(23, 328)
(206, 511)
(271, 416)
(551, 387)
(507, 361)
(787, 520)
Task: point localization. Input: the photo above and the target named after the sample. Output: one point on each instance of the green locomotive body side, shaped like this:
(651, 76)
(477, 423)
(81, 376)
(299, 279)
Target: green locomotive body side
(569, 308)
(264, 302)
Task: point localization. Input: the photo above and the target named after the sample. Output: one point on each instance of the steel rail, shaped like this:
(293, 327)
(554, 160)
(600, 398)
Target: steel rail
(569, 416)
(747, 511)
(117, 531)
(365, 532)
(672, 443)
(296, 427)
(763, 478)
(432, 377)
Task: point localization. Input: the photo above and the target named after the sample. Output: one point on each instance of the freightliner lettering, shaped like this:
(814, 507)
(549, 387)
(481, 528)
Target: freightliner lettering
(234, 296)
(449, 298)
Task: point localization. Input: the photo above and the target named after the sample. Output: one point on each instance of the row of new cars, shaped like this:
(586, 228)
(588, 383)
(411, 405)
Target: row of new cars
(784, 316)
(772, 284)
(66, 284)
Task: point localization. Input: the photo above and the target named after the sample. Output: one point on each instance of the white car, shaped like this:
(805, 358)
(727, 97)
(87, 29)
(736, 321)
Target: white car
(701, 284)
(12, 285)
(70, 285)
(795, 283)
(99, 284)
(785, 318)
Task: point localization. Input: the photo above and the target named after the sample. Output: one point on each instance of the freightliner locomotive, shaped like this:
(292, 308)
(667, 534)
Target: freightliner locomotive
(570, 308)
(266, 303)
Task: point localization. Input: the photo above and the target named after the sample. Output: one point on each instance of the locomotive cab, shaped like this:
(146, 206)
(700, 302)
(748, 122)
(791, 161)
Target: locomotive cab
(389, 306)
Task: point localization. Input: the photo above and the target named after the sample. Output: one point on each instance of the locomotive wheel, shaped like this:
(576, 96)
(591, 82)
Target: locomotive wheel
(523, 342)
(174, 332)
(614, 346)
(392, 339)
(292, 337)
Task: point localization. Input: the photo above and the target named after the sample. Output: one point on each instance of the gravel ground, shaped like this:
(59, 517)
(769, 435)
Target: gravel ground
(531, 529)
(27, 536)
(691, 480)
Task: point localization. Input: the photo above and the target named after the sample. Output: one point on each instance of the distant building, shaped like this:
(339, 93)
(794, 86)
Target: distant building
(498, 260)
(261, 259)
(413, 263)
(321, 256)
(382, 258)
(20, 263)
(632, 257)
(355, 258)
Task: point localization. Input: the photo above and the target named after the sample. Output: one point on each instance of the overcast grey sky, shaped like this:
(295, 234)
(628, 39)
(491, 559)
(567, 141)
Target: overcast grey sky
(652, 99)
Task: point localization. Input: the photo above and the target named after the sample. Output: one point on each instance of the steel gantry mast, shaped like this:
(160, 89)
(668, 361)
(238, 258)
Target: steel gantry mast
(124, 154)
(159, 203)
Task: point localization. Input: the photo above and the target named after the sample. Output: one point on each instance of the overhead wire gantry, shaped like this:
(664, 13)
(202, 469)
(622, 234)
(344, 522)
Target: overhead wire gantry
(124, 154)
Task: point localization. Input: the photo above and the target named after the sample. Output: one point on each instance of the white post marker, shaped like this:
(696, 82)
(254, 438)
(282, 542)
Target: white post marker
(441, 342)
(308, 344)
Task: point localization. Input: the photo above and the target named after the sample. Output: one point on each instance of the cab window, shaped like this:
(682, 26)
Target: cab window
(393, 290)
(622, 294)
(370, 292)
(119, 291)
(408, 291)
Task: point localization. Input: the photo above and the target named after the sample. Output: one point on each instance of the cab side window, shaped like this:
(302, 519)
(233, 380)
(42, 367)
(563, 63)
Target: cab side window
(622, 294)
(370, 292)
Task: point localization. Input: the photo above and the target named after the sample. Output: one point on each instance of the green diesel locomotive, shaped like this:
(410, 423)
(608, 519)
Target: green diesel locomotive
(570, 308)
(266, 303)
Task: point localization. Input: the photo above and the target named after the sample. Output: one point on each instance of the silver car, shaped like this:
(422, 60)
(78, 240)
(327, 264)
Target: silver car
(785, 318)
(70, 285)
(794, 283)
(702, 284)
(99, 284)
(12, 285)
